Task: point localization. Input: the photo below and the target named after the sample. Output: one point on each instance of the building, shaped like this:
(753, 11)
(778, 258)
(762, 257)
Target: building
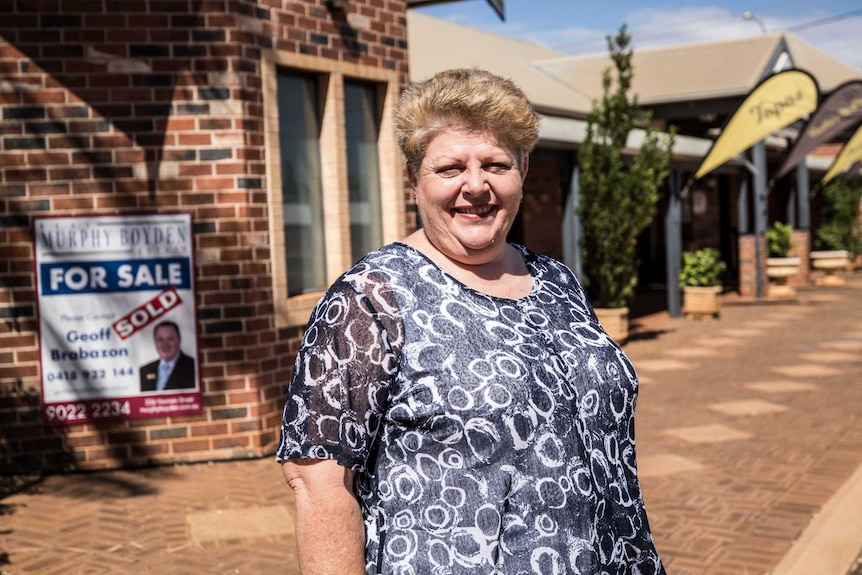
(268, 122)
(694, 87)
(140, 107)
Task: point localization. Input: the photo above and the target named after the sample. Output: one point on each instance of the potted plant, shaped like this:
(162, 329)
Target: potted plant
(700, 278)
(779, 266)
(619, 193)
(830, 261)
(839, 239)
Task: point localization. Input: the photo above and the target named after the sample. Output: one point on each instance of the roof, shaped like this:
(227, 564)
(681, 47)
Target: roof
(677, 73)
(829, 71)
(567, 85)
(437, 45)
(704, 71)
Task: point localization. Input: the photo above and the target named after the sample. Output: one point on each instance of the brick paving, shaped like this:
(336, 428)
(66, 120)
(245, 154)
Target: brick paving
(747, 426)
(761, 411)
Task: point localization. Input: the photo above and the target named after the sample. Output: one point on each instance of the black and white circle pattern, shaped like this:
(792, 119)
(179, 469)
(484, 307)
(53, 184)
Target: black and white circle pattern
(490, 436)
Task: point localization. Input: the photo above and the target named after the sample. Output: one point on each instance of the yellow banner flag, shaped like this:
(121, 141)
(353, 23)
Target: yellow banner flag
(775, 103)
(847, 157)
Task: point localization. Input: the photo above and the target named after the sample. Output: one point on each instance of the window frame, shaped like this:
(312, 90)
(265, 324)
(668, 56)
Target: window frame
(295, 311)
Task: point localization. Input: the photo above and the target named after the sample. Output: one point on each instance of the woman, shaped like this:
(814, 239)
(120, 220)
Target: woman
(456, 407)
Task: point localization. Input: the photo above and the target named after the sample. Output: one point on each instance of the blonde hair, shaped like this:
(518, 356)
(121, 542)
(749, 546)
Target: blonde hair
(467, 98)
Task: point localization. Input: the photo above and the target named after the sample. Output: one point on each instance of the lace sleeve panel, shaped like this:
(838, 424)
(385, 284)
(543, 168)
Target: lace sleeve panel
(340, 386)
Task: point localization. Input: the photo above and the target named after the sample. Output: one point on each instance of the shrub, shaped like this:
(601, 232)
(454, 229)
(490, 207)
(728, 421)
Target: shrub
(701, 268)
(619, 194)
(842, 227)
(779, 239)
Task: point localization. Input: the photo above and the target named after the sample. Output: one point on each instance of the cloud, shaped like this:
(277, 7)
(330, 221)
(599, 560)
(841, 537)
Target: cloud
(840, 39)
(835, 34)
(651, 28)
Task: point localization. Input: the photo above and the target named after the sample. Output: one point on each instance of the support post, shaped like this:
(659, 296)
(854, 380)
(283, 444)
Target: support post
(792, 203)
(760, 211)
(572, 229)
(802, 191)
(673, 242)
(742, 204)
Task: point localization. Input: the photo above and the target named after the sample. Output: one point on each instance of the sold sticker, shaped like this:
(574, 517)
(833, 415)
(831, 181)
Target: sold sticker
(147, 313)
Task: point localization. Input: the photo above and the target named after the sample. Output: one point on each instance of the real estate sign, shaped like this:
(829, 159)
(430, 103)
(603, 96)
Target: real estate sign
(117, 317)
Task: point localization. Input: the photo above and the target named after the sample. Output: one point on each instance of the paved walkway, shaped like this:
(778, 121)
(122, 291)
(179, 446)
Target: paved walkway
(750, 447)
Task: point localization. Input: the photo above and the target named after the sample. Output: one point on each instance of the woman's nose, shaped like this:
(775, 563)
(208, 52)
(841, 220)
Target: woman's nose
(474, 181)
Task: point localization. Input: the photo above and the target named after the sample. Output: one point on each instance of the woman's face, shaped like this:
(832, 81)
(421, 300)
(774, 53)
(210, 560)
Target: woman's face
(468, 191)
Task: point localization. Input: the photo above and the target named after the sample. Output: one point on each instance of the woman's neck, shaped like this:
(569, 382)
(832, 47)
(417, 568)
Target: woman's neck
(501, 273)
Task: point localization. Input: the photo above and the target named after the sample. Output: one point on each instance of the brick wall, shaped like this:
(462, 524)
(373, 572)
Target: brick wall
(142, 106)
(542, 207)
(748, 259)
(748, 264)
(801, 249)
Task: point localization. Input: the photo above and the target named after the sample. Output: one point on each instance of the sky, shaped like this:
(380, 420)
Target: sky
(579, 27)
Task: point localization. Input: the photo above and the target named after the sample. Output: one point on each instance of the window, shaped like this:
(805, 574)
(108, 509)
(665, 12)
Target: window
(334, 175)
(301, 185)
(363, 167)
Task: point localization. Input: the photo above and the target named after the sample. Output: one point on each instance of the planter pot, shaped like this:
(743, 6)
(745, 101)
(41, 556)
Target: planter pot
(830, 262)
(615, 321)
(701, 302)
(779, 270)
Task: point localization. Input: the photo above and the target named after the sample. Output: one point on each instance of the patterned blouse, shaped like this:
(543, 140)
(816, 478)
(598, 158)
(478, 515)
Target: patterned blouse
(489, 435)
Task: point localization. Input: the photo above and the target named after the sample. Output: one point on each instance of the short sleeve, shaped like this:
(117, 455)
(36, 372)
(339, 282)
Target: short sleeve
(339, 390)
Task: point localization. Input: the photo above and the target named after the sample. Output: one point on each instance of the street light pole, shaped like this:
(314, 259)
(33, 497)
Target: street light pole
(748, 15)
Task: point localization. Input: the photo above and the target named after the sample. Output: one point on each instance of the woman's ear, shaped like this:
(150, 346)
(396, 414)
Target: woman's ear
(411, 175)
(525, 165)
(413, 178)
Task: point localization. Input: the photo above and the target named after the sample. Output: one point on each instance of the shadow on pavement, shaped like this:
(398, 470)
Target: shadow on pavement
(12, 485)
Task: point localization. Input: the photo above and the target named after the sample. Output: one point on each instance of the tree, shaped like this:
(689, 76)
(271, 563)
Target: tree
(618, 194)
(842, 227)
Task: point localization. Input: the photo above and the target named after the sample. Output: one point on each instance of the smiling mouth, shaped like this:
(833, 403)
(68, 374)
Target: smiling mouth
(477, 211)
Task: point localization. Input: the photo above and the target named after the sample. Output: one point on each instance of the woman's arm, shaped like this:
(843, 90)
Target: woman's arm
(330, 534)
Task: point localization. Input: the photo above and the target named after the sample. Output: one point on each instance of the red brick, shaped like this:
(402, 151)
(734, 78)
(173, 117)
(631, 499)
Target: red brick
(12, 159)
(25, 175)
(175, 123)
(48, 158)
(50, 189)
(116, 202)
(73, 203)
(195, 170)
(129, 156)
(10, 98)
(223, 169)
(8, 372)
(45, 96)
(70, 173)
(195, 139)
(111, 141)
(209, 429)
(193, 445)
(214, 183)
(92, 187)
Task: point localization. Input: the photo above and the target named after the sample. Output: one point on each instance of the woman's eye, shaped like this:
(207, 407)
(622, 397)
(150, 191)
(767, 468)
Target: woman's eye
(449, 171)
(497, 168)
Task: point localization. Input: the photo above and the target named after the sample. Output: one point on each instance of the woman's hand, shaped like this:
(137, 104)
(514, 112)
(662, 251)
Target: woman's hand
(330, 534)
